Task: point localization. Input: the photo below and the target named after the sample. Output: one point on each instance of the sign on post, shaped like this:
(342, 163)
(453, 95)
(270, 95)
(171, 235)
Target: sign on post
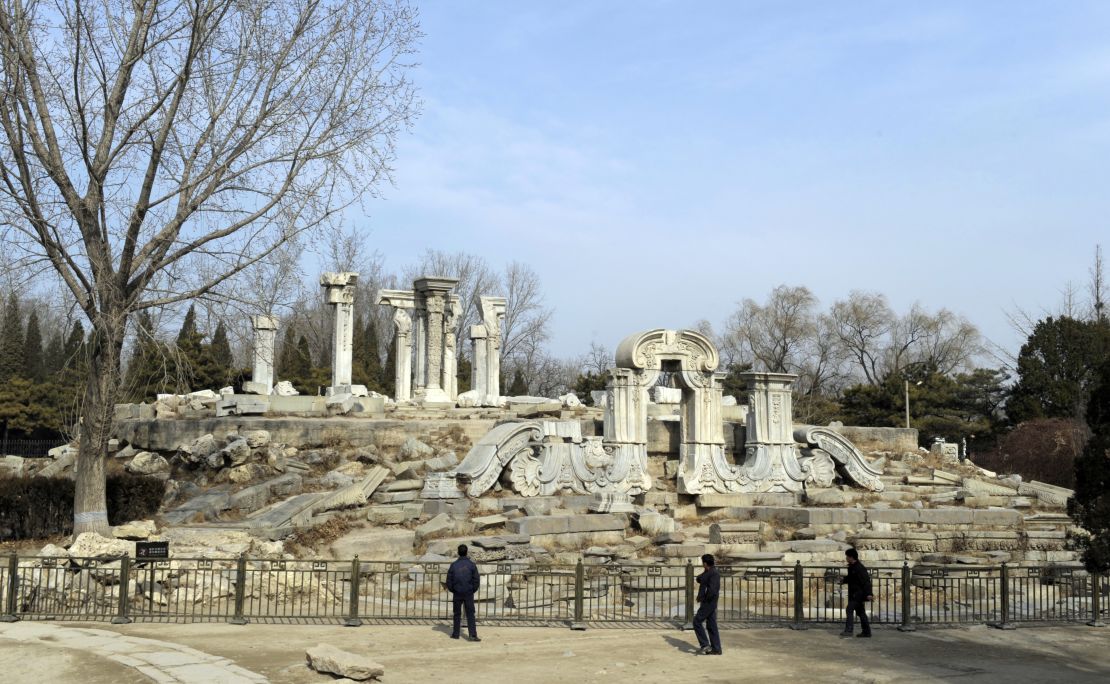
(156, 550)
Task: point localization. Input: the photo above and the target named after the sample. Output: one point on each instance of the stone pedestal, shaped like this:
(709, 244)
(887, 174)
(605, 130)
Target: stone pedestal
(339, 291)
(262, 375)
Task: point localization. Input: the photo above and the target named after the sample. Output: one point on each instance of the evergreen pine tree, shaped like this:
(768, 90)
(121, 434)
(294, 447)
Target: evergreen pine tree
(54, 356)
(34, 369)
(74, 351)
(389, 372)
(285, 360)
(1090, 506)
(360, 355)
(518, 388)
(190, 352)
(374, 357)
(146, 370)
(11, 341)
(216, 362)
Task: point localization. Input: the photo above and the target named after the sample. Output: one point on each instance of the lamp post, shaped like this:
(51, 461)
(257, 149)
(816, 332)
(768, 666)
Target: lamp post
(907, 387)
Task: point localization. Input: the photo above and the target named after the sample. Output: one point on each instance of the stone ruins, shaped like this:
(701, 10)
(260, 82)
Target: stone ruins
(651, 474)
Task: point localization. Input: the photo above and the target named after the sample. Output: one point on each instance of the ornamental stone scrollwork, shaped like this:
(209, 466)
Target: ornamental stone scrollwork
(849, 461)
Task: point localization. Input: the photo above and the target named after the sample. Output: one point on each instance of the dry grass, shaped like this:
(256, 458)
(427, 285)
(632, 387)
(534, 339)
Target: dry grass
(310, 539)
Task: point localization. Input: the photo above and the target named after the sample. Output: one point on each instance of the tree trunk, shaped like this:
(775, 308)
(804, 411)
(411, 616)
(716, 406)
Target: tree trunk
(105, 347)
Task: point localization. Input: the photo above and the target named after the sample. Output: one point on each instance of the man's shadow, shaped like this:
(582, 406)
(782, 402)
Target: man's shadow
(681, 645)
(446, 629)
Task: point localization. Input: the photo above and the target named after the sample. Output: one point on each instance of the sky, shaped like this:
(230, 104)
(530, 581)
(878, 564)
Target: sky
(657, 162)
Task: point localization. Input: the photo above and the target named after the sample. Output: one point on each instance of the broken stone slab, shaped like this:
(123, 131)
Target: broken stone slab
(828, 497)
(670, 538)
(944, 476)
(977, 486)
(340, 404)
(753, 557)
(439, 525)
(713, 500)
(401, 486)
(654, 524)
(394, 497)
(60, 465)
(394, 514)
(251, 498)
(488, 521)
(745, 532)
(328, 659)
(594, 522)
(136, 529)
(610, 502)
(355, 494)
(11, 466)
(1046, 493)
(414, 449)
(441, 486)
(374, 545)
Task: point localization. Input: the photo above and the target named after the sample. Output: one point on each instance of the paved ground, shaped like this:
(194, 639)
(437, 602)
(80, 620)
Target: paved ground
(216, 652)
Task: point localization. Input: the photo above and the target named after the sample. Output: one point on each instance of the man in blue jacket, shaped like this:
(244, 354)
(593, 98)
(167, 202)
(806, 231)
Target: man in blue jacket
(708, 590)
(462, 582)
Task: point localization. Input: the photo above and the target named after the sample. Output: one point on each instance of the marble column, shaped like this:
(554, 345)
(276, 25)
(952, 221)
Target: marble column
(340, 292)
(450, 344)
(478, 370)
(492, 311)
(262, 376)
(434, 292)
(404, 306)
(420, 338)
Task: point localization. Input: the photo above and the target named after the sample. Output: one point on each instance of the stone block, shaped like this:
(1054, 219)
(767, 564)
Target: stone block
(402, 486)
(828, 497)
(488, 521)
(746, 532)
(596, 522)
(685, 512)
(371, 544)
(438, 526)
(654, 524)
(900, 516)
(666, 395)
(394, 497)
(659, 498)
(995, 487)
(997, 516)
(609, 502)
(944, 516)
(714, 500)
(459, 508)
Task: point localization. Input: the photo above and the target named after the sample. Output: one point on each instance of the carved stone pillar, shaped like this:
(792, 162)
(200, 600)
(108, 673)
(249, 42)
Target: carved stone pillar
(434, 292)
(403, 303)
(420, 344)
(450, 342)
(262, 376)
(478, 375)
(770, 431)
(492, 311)
(340, 292)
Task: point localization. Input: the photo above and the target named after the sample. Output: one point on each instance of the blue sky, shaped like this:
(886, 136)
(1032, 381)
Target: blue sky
(657, 162)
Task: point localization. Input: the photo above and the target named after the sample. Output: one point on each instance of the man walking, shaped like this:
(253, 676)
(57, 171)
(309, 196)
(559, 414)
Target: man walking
(462, 582)
(859, 592)
(709, 588)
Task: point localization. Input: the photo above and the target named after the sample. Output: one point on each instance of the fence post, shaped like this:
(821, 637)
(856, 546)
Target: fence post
(689, 596)
(907, 586)
(578, 623)
(352, 608)
(1004, 596)
(240, 590)
(1096, 601)
(122, 612)
(799, 597)
(13, 587)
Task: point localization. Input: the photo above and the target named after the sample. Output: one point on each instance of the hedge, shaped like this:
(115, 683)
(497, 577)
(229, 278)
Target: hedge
(38, 507)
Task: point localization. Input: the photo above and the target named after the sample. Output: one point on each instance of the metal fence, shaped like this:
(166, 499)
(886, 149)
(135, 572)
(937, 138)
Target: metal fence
(29, 448)
(241, 590)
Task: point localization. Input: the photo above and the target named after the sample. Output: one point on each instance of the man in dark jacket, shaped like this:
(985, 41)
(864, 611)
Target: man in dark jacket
(462, 582)
(859, 592)
(709, 588)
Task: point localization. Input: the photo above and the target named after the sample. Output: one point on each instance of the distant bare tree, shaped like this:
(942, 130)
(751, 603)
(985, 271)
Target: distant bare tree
(774, 334)
(156, 148)
(525, 328)
(862, 324)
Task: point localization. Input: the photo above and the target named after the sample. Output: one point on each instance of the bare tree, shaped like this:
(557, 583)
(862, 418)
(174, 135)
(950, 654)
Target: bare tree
(775, 333)
(862, 323)
(156, 148)
(525, 328)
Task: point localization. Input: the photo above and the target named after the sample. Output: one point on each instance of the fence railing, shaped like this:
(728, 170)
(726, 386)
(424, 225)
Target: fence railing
(28, 448)
(241, 590)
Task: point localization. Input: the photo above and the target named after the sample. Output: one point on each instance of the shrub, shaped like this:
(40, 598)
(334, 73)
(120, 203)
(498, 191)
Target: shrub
(38, 507)
(1043, 449)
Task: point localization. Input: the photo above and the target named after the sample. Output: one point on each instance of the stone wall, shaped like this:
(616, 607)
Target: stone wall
(895, 440)
(168, 435)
